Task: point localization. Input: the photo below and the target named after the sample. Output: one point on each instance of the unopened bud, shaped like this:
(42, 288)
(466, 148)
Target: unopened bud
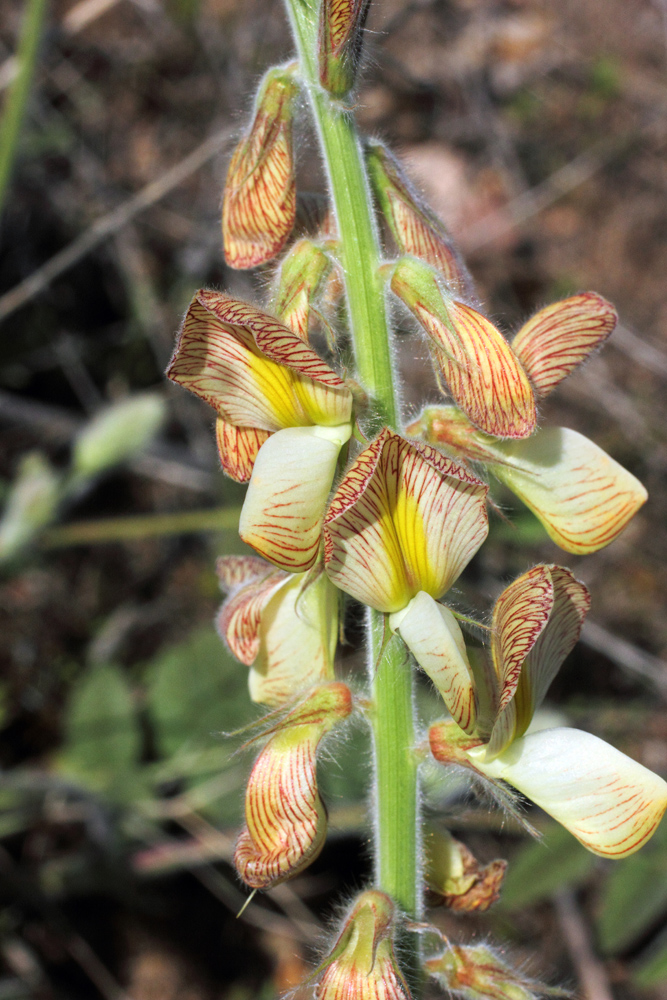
(300, 279)
(362, 962)
(473, 361)
(285, 817)
(31, 504)
(259, 204)
(477, 973)
(447, 428)
(455, 877)
(117, 433)
(415, 227)
(341, 33)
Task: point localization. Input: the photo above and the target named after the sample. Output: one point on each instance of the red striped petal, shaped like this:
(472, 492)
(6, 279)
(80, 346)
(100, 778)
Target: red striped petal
(237, 448)
(474, 361)
(403, 519)
(259, 204)
(559, 337)
(285, 817)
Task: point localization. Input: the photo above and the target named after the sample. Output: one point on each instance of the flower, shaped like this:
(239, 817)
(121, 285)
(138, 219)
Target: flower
(400, 529)
(472, 358)
(362, 963)
(283, 626)
(455, 877)
(583, 497)
(259, 204)
(339, 43)
(281, 411)
(285, 817)
(611, 803)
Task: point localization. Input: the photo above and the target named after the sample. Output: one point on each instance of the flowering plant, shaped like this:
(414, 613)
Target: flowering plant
(347, 498)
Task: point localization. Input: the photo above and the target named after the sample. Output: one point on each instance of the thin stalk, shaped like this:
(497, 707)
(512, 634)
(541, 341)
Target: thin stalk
(359, 246)
(125, 529)
(396, 787)
(14, 110)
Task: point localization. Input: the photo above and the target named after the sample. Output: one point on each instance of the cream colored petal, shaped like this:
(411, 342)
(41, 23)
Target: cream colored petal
(284, 506)
(253, 370)
(606, 800)
(403, 519)
(297, 639)
(583, 497)
(432, 634)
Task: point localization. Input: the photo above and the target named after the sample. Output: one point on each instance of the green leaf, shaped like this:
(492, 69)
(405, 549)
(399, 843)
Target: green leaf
(634, 897)
(542, 868)
(652, 970)
(195, 692)
(102, 734)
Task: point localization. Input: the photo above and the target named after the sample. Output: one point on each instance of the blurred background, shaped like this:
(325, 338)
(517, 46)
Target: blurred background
(538, 131)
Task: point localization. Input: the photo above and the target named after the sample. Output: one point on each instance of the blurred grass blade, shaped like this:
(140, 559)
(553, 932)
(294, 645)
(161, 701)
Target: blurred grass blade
(12, 118)
(543, 868)
(634, 899)
(125, 529)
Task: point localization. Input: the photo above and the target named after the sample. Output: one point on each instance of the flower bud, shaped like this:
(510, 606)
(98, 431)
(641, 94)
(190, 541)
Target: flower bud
(285, 817)
(456, 878)
(473, 360)
(301, 276)
(476, 973)
(30, 506)
(340, 38)
(415, 227)
(362, 963)
(259, 203)
(117, 433)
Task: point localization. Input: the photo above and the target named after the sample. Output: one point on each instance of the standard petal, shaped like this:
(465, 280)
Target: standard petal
(259, 204)
(606, 800)
(583, 497)
(559, 337)
(432, 634)
(475, 362)
(237, 448)
(255, 372)
(519, 616)
(284, 506)
(297, 639)
(403, 519)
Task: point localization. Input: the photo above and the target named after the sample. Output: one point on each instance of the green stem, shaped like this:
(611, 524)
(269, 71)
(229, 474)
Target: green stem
(396, 795)
(359, 245)
(14, 110)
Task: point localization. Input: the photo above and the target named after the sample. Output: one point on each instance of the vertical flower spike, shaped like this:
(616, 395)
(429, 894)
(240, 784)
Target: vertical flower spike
(339, 45)
(285, 818)
(284, 627)
(259, 203)
(606, 800)
(537, 621)
(475, 972)
(559, 337)
(417, 230)
(301, 275)
(258, 376)
(403, 519)
(473, 359)
(362, 964)
(432, 634)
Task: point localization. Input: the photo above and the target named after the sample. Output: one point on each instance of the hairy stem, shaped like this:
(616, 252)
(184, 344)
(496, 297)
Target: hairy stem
(396, 790)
